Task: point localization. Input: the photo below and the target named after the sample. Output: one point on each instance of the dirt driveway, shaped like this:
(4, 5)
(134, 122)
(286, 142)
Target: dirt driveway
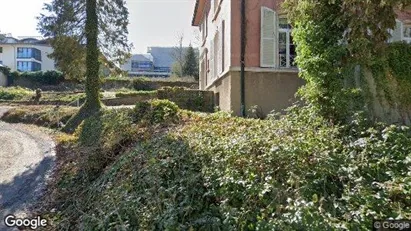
(26, 159)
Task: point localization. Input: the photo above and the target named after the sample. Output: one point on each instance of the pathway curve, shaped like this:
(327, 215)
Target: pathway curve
(26, 159)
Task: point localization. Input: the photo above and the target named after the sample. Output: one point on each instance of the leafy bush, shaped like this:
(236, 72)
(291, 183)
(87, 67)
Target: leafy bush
(101, 132)
(48, 77)
(156, 111)
(5, 70)
(216, 172)
(14, 93)
(142, 84)
(134, 93)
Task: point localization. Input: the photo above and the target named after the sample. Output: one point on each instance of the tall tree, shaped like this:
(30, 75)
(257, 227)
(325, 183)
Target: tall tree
(99, 24)
(190, 67)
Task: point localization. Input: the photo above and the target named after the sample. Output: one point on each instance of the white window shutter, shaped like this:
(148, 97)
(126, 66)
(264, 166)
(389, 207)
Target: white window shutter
(397, 33)
(220, 51)
(268, 37)
(212, 59)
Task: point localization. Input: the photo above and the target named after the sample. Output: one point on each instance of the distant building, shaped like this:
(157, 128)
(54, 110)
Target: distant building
(25, 54)
(156, 63)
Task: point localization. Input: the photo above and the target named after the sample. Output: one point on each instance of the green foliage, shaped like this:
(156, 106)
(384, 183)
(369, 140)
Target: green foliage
(328, 51)
(400, 68)
(70, 57)
(156, 111)
(190, 67)
(15, 93)
(100, 133)
(39, 77)
(134, 93)
(46, 116)
(142, 84)
(216, 172)
(5, 70)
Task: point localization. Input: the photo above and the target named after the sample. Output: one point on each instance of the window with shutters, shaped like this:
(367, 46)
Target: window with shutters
(222, 45)
(277, 45)
(286, 46)
(204, 27)
(217, 54)
(268, 38)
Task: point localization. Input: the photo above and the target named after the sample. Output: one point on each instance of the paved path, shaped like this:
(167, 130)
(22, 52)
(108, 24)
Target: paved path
(26, 159)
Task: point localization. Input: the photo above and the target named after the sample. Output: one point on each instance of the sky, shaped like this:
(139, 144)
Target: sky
(152, 22)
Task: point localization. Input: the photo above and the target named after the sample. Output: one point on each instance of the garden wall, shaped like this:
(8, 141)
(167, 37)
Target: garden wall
(194, 100)
(108, 84)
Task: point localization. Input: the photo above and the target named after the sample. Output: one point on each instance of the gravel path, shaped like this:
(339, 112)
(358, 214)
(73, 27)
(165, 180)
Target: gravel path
(26, 159)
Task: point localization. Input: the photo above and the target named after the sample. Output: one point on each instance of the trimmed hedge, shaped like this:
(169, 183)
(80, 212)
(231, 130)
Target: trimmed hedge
(40, 77)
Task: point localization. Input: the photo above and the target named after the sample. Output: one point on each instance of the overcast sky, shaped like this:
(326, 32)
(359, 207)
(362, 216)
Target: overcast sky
(152, 22)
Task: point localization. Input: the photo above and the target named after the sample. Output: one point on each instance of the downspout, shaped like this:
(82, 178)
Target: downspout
(242, 56)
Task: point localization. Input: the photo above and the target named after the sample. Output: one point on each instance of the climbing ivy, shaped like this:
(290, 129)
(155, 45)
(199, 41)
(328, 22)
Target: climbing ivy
(337, 42)
(5, 70)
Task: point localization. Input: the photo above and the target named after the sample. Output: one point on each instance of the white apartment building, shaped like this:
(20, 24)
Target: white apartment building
(26, 54)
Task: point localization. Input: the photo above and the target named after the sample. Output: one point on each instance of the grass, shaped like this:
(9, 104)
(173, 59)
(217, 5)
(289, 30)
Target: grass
(15, 93)
(46, 116)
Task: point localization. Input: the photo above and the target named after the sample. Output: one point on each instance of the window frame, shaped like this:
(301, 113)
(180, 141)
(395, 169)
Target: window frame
(288, 32)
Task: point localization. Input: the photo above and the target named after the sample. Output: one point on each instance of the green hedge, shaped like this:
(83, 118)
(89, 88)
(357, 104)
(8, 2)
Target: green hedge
(40, 77)
(134, 93)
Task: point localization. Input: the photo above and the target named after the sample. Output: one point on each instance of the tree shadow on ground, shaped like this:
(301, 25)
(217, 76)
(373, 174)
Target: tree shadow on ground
(20, 195)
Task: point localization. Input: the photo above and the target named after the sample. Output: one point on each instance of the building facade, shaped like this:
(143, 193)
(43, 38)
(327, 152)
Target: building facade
(157, 62)
(26, 54)
(271, 76)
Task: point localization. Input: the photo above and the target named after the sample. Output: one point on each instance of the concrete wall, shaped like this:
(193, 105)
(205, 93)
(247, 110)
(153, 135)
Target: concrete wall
(269, 90)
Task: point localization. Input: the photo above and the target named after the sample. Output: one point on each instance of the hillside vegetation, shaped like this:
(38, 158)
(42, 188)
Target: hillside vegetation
(156, 167)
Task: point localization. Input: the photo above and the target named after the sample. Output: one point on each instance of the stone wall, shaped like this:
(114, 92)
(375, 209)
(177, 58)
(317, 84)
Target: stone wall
(109, 84)
(194, 100)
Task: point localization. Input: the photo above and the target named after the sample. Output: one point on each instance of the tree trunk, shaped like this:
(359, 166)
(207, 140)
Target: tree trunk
(93, 103)
(92, 62)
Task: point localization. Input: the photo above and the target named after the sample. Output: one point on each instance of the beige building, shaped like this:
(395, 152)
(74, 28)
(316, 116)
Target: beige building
(26, 54)
(271, 77)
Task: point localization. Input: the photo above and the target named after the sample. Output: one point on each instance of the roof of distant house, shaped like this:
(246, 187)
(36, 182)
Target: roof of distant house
(23, 40)
(142, 57)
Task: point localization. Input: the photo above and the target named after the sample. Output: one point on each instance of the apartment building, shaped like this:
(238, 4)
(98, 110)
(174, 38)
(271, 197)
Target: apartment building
(26, 54)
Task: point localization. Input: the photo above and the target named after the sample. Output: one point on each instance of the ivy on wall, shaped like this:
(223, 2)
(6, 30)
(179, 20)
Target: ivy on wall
(334, 59)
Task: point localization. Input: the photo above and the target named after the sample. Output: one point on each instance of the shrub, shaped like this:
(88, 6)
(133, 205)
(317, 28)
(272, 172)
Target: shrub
(156, 111)
(142, 84)
(217, 172)
(39, 77)
(105, 133)
(14, 93)
(5, 70)
(134, 93)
